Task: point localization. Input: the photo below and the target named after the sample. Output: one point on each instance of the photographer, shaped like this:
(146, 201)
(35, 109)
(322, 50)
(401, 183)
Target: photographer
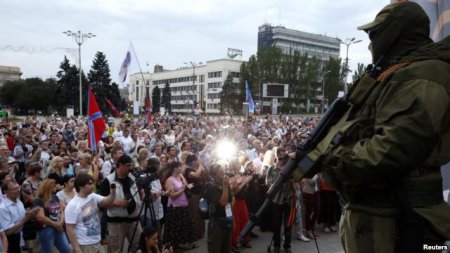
(123, 215)
(221, 219)
(283, 207)
(148, 180)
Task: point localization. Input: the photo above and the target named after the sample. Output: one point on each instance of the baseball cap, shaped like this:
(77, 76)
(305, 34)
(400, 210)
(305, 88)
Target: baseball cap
(380, 18)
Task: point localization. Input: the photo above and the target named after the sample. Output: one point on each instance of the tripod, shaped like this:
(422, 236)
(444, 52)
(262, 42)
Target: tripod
(146, 207)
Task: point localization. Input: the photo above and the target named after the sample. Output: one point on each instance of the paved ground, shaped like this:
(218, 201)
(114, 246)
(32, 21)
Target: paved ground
(328, 243)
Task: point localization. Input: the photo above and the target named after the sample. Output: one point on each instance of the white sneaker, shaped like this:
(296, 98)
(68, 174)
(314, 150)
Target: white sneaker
(327, 230)
(303, 238)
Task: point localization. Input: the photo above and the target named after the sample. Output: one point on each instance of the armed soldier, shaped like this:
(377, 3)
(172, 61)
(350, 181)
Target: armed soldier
(384, 154)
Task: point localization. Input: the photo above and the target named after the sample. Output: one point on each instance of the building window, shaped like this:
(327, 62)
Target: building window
(202, 78)
(215, 74)
(235, 74)
(213, 95)
(212, 106)
(215, 85)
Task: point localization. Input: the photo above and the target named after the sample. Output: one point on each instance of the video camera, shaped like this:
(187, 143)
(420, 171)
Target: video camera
(144, 180)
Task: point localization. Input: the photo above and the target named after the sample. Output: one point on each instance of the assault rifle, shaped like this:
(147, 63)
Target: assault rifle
(302, 166)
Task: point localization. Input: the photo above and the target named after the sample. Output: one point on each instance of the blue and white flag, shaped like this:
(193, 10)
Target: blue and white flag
(123, 73)
(249, 99)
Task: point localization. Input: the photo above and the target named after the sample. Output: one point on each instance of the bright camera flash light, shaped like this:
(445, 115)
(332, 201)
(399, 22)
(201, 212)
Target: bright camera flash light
(225, 150)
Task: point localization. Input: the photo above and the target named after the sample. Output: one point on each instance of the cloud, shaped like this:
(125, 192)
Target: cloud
(167, 32)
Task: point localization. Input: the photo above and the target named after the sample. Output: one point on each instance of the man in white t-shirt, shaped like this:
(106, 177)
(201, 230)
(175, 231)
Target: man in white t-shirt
(127, 142)
(82, 218)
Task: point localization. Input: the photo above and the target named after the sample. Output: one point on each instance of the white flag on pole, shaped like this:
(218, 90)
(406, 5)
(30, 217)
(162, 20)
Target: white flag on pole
(124, 68)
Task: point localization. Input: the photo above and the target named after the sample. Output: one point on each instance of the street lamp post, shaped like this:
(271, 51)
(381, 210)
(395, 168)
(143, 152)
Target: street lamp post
(348, 42)
(79, 38)
(194, 65)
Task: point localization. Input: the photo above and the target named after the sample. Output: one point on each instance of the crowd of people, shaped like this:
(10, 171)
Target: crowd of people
(145, 182)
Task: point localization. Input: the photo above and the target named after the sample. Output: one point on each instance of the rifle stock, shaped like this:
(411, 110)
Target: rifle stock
(302, 166)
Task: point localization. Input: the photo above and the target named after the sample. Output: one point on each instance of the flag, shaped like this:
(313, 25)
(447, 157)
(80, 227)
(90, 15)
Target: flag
(148, 110)
(123, 73)
(249, 99)
(113, 108)
(96, 124)
(439, 13)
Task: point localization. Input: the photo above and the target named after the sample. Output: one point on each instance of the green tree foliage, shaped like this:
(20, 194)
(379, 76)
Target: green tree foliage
(29, 96)
(166, 97)
(156, 99)
(333, 79)
(305, 75)
(100, 79)
(68, 91)
(228, 95)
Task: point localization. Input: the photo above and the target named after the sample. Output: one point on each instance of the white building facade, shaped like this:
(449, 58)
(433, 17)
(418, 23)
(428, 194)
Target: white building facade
(202, 83)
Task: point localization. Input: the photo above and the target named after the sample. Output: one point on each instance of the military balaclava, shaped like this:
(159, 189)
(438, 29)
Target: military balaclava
(397, 30)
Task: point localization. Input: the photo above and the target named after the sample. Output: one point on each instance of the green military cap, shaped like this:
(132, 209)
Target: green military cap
(380, 18)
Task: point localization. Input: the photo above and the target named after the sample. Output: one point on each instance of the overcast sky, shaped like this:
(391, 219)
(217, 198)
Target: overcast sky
(166, 32)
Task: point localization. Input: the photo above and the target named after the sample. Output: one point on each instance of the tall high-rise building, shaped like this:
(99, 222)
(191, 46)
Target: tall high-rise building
(289, 40)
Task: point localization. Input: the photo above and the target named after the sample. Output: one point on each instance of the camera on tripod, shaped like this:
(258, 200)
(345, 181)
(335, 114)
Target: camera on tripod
(144, 180)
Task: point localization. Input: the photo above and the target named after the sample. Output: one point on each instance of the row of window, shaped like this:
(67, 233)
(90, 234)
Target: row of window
(146, 82)
(213, 95)
(183, 88)
(176, 80)
(182, 106)
(214, 74)
(190, 78)
(212, 106)
(184, 97)
(235, 74)
(215, 85)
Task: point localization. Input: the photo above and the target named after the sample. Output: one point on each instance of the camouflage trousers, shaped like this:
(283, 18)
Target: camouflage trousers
(365, 233)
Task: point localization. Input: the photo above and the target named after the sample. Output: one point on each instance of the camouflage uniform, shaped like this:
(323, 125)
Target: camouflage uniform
(396, 135)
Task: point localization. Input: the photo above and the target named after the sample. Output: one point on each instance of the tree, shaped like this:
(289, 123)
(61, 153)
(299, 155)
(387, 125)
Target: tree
(67, 92)
(166, 97)
(29, 95)
(358, 72)
(333, 79)
(305, 75)
(156, 99)
(100, 79)
(229, 99)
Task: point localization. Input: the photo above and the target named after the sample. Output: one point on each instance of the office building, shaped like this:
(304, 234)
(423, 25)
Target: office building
(289, 40)
(202, 83)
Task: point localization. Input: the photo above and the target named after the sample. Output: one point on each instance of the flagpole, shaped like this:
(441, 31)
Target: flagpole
(139, 65)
